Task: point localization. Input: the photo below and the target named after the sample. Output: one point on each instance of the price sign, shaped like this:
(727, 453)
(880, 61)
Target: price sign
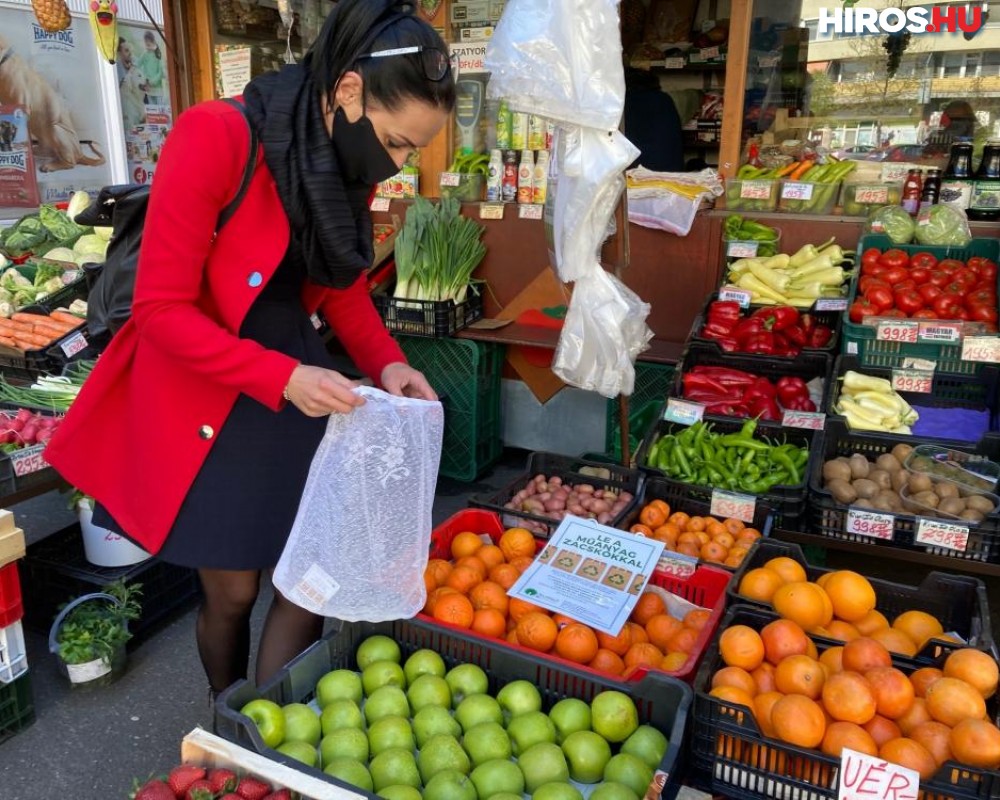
(756, 190)
(942, 534)
(708, 53)
(28, 460)
(981, 348)
(742, 249)
(741, 296)
(795, 190)
(870, 523)
(831, 304)
(897, 330)
(491, 211)
(912, 380)
(677, 564)
(919, 363)
(683, 412)
(731, 504)
(380, 204)
(676, 62)
(529, 211)
(809, 420)
(74, 344)
(871, 195)
(451, 178)
(938, 332)
(852, 348)
(865, 777)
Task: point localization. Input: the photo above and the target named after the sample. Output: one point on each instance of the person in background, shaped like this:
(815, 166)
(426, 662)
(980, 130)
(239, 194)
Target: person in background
(958, 122)
(196, 430)
(652, 123)
(151, 66)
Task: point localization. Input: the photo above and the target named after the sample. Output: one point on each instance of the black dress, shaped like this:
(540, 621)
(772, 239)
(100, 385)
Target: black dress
(241, 506)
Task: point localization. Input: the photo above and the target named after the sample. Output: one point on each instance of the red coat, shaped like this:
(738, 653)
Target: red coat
(147, 416)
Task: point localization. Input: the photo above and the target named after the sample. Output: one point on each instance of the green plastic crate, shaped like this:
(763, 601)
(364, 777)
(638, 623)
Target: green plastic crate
(467, 376)
(860, 339)
(17, 706)
(652, 384)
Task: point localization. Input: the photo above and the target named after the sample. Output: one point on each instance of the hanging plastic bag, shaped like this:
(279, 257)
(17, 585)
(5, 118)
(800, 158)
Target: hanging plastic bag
(360, 541)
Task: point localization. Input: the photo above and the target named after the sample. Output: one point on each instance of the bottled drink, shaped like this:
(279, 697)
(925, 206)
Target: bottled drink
(494, 178)
(931, 192)
(541, 179)
(503, 126)
(509, 187)
(984, 204)
(956, 185)
(912, 190)
(519, 131)
(536, 132)
(525, 173)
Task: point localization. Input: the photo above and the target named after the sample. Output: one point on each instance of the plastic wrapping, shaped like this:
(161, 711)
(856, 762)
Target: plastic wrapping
(360, 541)
(668, 201)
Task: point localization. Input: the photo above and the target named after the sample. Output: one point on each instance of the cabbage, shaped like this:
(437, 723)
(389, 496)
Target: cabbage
(104, 231)
(943, 225)
(61, 254)
(90, 243)
(893, 221)
(79, 201)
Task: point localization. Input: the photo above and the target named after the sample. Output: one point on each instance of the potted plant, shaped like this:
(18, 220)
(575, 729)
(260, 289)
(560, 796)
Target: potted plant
(102, 547)
(89, 634)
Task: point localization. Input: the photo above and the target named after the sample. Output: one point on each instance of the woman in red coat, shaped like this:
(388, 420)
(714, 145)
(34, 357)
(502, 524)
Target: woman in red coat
(197, 428)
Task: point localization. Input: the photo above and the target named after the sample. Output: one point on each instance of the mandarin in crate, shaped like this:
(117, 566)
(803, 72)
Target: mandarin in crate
(804, 603)
(950, 700)
(735, 676)
(661, 628)
(760, 584)
(790, 570)
(561, 620)
(842, 631)
(537, 631)
(517, 543)
(616, 644)
(924, 677)
(734, 526)
(882, 729)
(783, 638)
(672, 662)
(465, 544)
(473, 563)
(518, 608)
(490, 595)
(490, 555)
(432, 598)
(741, 646)
(641, 530)
(763, 704)
(935, 737)
(975, 668)
(848, 697)
(504, 574)
(637, 632)
(893, 692)
(429, 583)
(916, 715)
(521, 563)
(713, 552)
(910, 754)
(577, 642)
(731, 694)
(607, 661)
(976, 742)
(833, 659)
(463, 579)
(489, 622)
(800, 675)
(643, 654)
(763, 677)
(697, 618)
(873, 621)
(851, 594)
(684, 640)
(735, 557)
(850, 735)
(895, 642)
(861, 655)
(455, 609)
(798, 720)
(668, 533)
(918, 625)
(653, 516)
(680, 519)
(647, 606)
(440, 569)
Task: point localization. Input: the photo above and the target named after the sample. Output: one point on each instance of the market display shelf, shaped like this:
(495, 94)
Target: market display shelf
(652, 382)
(432, 318)
(661, 701)
(11, 603)
(17, 706)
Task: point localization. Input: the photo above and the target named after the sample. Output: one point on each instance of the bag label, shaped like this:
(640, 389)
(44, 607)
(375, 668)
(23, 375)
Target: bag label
(315, 588)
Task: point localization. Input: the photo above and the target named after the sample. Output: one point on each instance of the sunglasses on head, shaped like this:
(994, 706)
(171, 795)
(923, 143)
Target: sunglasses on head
(435, 62)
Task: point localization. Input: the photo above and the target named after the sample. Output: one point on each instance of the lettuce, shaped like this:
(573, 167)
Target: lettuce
(893, 221)
(943, 225)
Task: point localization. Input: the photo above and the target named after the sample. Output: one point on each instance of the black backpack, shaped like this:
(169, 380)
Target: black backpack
(123, 207)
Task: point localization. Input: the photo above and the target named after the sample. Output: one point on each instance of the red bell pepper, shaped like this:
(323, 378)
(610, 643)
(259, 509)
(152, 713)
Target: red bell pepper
(820, 336)
(748, 327)
(727, 376)
(727, 409)
(724, 312)
(791, 388)
(715, 330)
(783, 347)
(796, 335)
(761, 387)
(762, 343)
(800, 404)
(777, 318)
(709, 397)
(728, 344)
(764, 408)
(699, 380)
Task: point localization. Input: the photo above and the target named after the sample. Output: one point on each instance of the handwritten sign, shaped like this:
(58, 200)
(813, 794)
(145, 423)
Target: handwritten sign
(831, 304)
(938, 332)
(942, 534)
(794, 190)
(985, 349)
(742, 249)
(808, 420)
(741, 296)
(28, 460)
(864, 777)
(897, 330)
(74, 344)
(675, 62)
(451, 178)
(708, 53)
(756, 190)
(677, 565)
(731, 504)
(912, 380)
(380, 204)
(871, 195)
(683, 412)
(529, 211)
(491, 211)
(870, 523)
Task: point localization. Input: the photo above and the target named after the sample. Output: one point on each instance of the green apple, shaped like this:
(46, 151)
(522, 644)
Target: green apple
(518, 697)
(400, 793)
(430, 721)
(477, 709)
(442, 753)
(609, 790)
(341, 714)
(465, 680)
(498, 776)
(269, 719)
(351, 772)
(530, 729)
(506, 796)
(449, 785)
(486, 742)
(569, 715)
(647, 744)
(587, 753)
(629, 771)
(300, 751)
(543, 763)
(344, 743)
(377, 648)
(389, 732)
(339, 684)
(423, 662)
(393, 768)
(389, 701)
(614, 716)
(556, 791)
(382, 673)
(302, 724)
(429, 690)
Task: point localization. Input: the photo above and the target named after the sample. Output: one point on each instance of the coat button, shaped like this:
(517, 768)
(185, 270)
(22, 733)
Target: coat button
(206, 432)
(255, 279)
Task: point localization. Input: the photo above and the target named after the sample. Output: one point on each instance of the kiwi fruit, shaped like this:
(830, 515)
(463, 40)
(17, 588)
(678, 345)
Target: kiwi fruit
(860, 466)
(919, 483)
(842, 491)
(888, 462)
(837, 470)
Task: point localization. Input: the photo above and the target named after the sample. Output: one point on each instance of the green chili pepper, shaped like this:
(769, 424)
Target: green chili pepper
(737, 440)
(783, 460)
(682, 461)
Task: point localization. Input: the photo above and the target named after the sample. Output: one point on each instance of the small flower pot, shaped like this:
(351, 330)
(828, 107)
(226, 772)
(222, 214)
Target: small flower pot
(98, 672)
(104, 548)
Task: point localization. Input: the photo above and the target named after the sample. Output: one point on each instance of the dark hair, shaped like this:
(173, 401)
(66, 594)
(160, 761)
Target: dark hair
(356, 27)
(148, 36)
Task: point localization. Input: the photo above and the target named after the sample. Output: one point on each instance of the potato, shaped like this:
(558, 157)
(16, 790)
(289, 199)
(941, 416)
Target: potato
(901, 451)
(951, 505)
(972, 515)
(900, 478)
(888, 462)
(887, 500)
(837, 469)
(979, 503)
(944, 490)
(882, 478)
(860, 466)
(865, 488)
(926, 498)
(863, 503)
(919, 483)
(842, 491)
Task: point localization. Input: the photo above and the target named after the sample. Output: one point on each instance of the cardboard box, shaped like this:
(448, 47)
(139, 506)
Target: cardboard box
(11, 545)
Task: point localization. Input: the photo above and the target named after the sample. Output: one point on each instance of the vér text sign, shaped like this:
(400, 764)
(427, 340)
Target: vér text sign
(864, 777)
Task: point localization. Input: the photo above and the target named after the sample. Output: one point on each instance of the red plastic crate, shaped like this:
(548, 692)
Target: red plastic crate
(706, 587)
(11, 606)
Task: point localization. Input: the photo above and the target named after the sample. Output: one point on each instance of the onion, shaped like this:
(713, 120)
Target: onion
(555, 480)
(604, 518)
(584, 488)
(575, 509)
(545, 496)
(555, 505)
(625, 497)
(599, 507)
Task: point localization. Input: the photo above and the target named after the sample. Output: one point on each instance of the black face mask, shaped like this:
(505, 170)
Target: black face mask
(362, 156)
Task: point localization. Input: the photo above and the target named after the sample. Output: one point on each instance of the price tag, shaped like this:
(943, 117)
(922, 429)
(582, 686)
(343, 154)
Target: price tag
(938, 332)
(756, 190)
(871, 195)
(912, 380)
(74, 344)
(731, 504)
(942, 534)
(831, 304)
(852, 348)
(741, 296)
(865, 777)
(451, 178)
(683, 412)
(380, 204)
(741, 249)
(796, 190)
(809, 420)
(709, 53)
(677, 565)
(870, 523)
(529, 211)
(981, 348)
(675, 62)
(897, 330)
(28, 460)
(491, 211)
(919, 363)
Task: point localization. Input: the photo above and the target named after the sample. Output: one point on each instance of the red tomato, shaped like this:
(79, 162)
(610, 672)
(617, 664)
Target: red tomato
(981, 297)
(908, 301)
(950, 265)
(920, 274)
(983, 314)
(983, 267)
(923, 261)
(966, 276)
(895, 275)
(866, 282)
(929, 292)
(963, 314)
(871, 256)
(909, 283)
(880, 297)
(947, 307)
(894, 258)
(873, 268)
(924, 313)
(940, 278)
(956, 289)
(893, 312)
(860, 309)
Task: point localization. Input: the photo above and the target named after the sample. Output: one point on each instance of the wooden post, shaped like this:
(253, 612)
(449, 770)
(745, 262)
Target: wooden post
(740, 17)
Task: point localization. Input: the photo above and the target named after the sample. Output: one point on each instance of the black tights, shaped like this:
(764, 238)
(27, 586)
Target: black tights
(223, 628)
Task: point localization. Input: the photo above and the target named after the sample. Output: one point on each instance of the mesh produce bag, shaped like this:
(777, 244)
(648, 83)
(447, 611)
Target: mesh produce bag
(360, 541)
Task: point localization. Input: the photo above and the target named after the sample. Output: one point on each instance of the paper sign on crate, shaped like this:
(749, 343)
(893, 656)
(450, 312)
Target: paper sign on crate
(897, 330)
(683, 412)
(870, 523)
(28, 460)
(938, 533)
(590, 572)
(864, 777)
(741, 296)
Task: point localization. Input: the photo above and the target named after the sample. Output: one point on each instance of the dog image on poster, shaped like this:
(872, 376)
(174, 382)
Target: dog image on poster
(18, 186)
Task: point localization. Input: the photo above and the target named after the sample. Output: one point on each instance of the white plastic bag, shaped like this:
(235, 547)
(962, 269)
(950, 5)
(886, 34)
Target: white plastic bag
(360, 541)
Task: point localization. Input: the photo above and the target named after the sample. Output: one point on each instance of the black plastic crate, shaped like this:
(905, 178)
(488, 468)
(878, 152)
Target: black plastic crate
(433, 318)
(77, 290)
(959, 602)
(600, 475)
(52, 358)
(10, 481)
(55, 571)
(17, 706)
(829, 518)
(661, 701)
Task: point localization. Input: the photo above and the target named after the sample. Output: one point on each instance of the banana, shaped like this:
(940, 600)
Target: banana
(104, 25)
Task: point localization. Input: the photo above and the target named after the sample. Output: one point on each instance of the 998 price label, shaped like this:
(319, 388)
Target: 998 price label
(912, 380)
(731, 504)
(870, 523)
(897, 330)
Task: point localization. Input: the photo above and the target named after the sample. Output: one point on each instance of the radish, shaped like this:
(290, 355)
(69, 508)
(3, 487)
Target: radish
(29, 434)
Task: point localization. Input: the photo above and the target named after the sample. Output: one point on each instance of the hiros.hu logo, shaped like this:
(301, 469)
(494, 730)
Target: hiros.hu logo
(916, 19)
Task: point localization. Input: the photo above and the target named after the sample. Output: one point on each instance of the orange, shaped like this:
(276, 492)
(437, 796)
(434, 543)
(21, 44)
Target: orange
(873, 621)
(882, 729)
(923, 678)
(717, 530)
(653, 516)
(432, 598)
(663, 505)
(667, 533)
(689, 538)
(429, 583)
(893, 692)
(616, 644)
(730, 694)
(975, 668)
(648, 606)
(935, 737)
(490, 595)
(733, 525)
(790, 570)
(684, 640)
(643, 654)
(976, 742)
(847, 734)
(802, 602)
(832, 659)
(851, 594)
(637, 632)
(455, 609)
(735, 557)
(490, 555)
(517, 608)
(463, 579)
(798, 720)
(674, 662)
(783, 638)
(864, 654)
(512, 636)
(918, 625)
(848, 697)
(577, 642)
(521, 563)
(641, 530)
(714, 552)
(950, 700)
(440, 569)
(680, 519)
(489, 622)
(749, 535)
(799, 675)
(763, 677)
(517, 543)
(741, 646)
(895, 641)
(537, 631)
(504, 574)
(911, 754)
(606, 661)
(842, 631)
(736, 677)
(916, 715)
(465, 544)
(763, 704)
(696, 524)
(697, 618)
(760, 584)
(661, 628)
(561, 620)
(692, 549)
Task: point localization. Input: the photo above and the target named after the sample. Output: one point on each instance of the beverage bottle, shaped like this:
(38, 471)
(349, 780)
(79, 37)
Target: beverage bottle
(912, 190)
(541, 179)
(550, 132)
(536, 132)
(931, 192)
(525, 173)
(503, 126)
(518, 131)
(494, 178)
(984, 204)
(508, 188)
(956, 184)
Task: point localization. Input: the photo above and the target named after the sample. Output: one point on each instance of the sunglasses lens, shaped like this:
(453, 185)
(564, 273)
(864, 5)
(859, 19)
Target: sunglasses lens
(435, 64)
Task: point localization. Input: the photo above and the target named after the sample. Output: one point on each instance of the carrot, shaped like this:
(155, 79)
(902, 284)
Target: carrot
(31, 341)
(800, 170)
(31, 319)
(787, 169)
(49, 333)
(67, 319)
(7, 341)
(10, 326)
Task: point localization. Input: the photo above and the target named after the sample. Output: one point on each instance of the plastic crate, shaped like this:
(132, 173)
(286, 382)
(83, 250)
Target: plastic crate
(467, 374)
(56, 571)
(735, 201)
(732, 758)
(13, 654)
(652, 382)
(77, 290)
(859, 339)
(432, 318)
(829, 518)
(959, 602)
(10, 481)
(11, 604)
(17, 706)
(822, 197)
(571, 470)
(661, 701)
(706, 587)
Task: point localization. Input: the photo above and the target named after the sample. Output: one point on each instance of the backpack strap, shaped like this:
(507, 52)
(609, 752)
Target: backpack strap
(227, 213)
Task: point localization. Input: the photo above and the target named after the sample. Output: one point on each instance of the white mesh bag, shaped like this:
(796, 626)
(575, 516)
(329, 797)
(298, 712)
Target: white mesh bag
(360, 541)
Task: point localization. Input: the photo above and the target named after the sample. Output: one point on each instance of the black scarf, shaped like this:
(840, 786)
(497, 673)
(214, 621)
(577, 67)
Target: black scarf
(329, 219)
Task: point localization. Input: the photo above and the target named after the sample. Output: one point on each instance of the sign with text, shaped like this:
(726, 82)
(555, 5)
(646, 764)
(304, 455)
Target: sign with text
(913, 380)
(871, 195)
(28, 460)
(677, 564)
(831, 304)
(451, 179)
(939, 332)
(470, 57)
(491, 211)
(741, 296)
(897, 330)
(380, 204)
(756, 190)
(529, 211)
(683, 412)
(981, 348)
(74, 344)
(676, 62)
(590, 572)
(808, 420)
(795, 190)
(938, 533)
(870, 523)
(731, 504)
(864, 777)
(742, 249)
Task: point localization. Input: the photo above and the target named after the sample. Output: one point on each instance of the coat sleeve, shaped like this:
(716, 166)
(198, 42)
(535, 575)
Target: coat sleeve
(197, 174)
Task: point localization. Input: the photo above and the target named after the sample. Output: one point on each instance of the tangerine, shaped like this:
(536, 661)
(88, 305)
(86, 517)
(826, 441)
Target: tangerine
(504, 574)
(489, 622)
(799, 674)
(668, 534)
(680, 519)
(684, 640)
(616, 644)
(763, 677)
(841, 734)
(919, 626)
(661, 628)
(847, 697)
(976, 742)
(798, 720)
(607, 661)
(935, 737)
(455, 609)
(950, 700)
(861, 655)
(842, 631)
(893, 692)
(763, 705)
(714, 552)
(643, 654)
(735, 557)
(882, 730)
(916, 715)
(851, 594)
(737, 677)
(561, 620)
(577, 642)
(641, 530)
(895, 642)
(463, 579)
(873, 621)
(741, 646)
(692, 549)
(975, 668)
(490, 555)
(910, 754)
(733, 525)
(697, 618)
(429, 583)
(790, 570)
(648, 606)
(465, 544)
(923, 678)
(730, 694)
(653, 515)
(696, 524)
(783, 638)
(833, 659)
(517, 608)
(537, 631)
(760, 584)
(490, 595)
(517, 543)
(433, 597)
(440, 569)
(637, 632)
(674, 662)
(512, 636)
(803, 602)
(521, 563)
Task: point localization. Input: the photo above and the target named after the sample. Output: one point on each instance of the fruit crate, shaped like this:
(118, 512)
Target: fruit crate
(661, 701)
(431, 318)
(829, 518)
(572, 471)
(467, 375)
(705, 587)
(859, 339)
(11, 604)
(17, 706)
(652, 383)
(56, 571)
(959, 602)
(13, 655)
(731, 756)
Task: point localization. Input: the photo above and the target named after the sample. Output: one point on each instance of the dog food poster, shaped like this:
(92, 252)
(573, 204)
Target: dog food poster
(144, 89)
(18, 186)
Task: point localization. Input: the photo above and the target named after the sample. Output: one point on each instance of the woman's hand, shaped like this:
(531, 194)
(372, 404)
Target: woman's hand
(403, 380)
(317, 392)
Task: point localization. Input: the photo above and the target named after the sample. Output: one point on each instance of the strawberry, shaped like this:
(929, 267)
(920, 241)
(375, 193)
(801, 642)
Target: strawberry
(280, 794)
(252, 789)
(230, 796)
(181, 778)
(154, 790)
(201, 789)
(222, 780)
